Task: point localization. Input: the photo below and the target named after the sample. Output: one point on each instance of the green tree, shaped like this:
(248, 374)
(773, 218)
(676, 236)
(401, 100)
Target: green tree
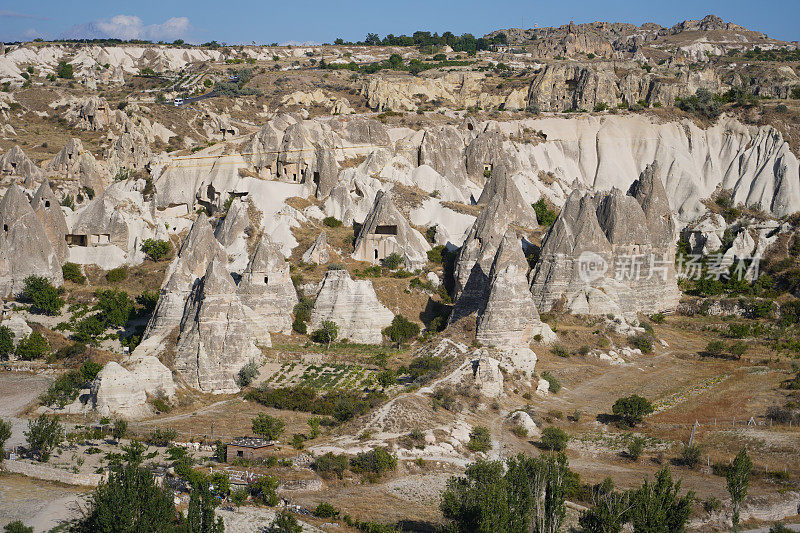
(44, 434)
(130, 500)
(656, 507)
(267, 426)
(285, 522)
(314, 424)
(119, 429)
(72, 272)
(17, 527)
(115, 307)
(609, 510)
(6, 342)
(554, 438)
(737, 478)
(327, 333)
(401, 329)
(5, 434)
(298, 441)
(200, 516)
(265, 489)
(43, 295)
(156, 249)
(238, 497)
(527, 495)
(480, 439)
(34, 346)
(330, 463)
(393, 260)
(247, 374)
(386, 378)
(636, 447)
(544, 214)
(632, 409)
(375, 461)
(64, 70)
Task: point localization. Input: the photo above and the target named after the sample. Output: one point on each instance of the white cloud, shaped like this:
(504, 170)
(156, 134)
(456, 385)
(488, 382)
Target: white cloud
(131, 27)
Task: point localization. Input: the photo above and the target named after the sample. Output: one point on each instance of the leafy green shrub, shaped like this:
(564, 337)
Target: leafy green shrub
(332, 222)
(302, 314)
(247, 374)
(554, 438)
(161, 405)
(559, 350)
(435, 254)
(702, 103)
(642, 342)
(544, 214)
(34, 346)
(63, 390)
(600, 106)
(161, 436)
(555, 385)
(691, 455)
(341, 404)
(44, 433)
(326, 510)
(72, 272)
(156, 249)
(331, 463)
(425, 367)
(401, 329)
(299, 326)
(636, 447)
(658, 318)
(392, 261)
(632, 409)
(6, 342)
(376, 461)
(115, 307)
(43, 295)
(480, 439)
(267, 426)
(64, 70)
(715, 348)
(327, 332)
(116, 275)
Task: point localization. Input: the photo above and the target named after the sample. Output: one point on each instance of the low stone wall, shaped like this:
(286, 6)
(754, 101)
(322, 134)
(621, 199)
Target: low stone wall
(48, 473)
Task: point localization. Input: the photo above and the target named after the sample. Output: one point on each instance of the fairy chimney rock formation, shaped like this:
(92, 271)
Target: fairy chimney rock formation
(266, 290)
(215, 340)
(386, 231)
(353, 306)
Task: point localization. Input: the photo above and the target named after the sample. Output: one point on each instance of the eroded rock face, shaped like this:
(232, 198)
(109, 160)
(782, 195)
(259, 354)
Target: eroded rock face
(16, 163)
(610, 253)
(504, 206)
(189, 265)
(215, 340)
(318, 252)
(386, 231)
(123, 390)
(74, 163)
(509, 316)
(47, 208)
(25, 249)
(353, 306)
(267, 291)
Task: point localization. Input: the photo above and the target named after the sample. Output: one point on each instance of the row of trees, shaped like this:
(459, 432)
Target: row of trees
(529, 494)
(465, 42)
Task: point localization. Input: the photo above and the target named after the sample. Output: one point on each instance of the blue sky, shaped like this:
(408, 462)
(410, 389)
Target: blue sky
(267, 21)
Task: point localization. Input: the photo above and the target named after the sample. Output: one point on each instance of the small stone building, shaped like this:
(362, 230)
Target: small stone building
(249, 448)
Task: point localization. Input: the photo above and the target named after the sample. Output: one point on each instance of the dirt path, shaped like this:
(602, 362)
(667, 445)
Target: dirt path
(17, 391)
